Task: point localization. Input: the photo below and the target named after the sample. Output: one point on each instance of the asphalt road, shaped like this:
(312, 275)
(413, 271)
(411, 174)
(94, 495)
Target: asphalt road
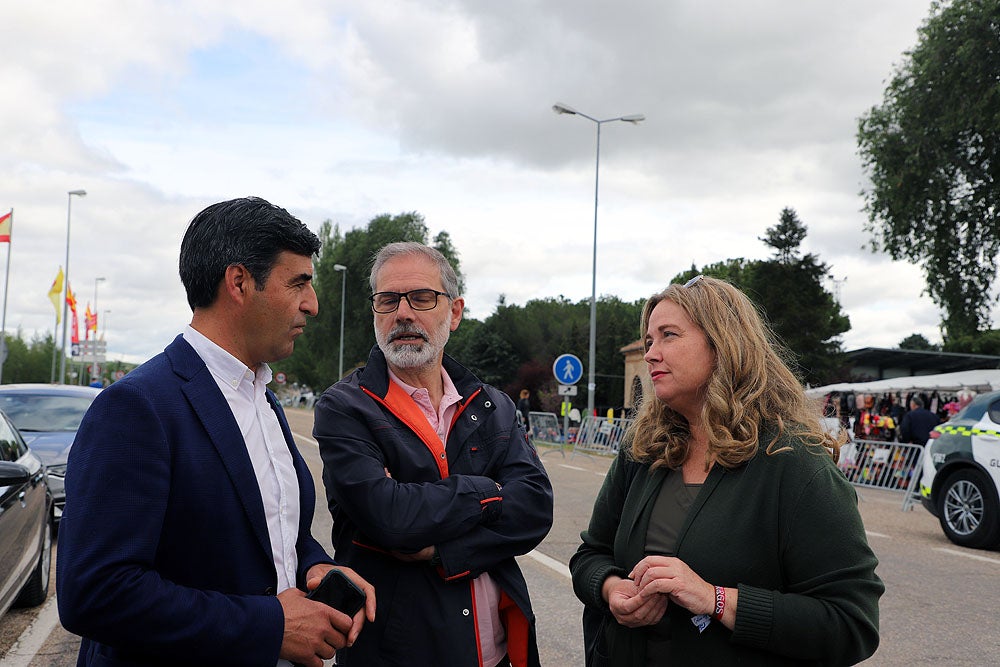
(938, 609)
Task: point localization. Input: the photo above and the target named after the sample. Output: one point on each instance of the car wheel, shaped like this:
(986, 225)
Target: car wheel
(36, 589)
(967, 509)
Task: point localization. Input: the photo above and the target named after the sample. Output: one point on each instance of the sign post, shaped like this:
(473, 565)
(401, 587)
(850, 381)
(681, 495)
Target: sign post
(567, 369)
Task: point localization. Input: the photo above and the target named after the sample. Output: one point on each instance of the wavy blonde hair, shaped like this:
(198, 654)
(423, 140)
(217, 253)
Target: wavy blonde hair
(750, 389)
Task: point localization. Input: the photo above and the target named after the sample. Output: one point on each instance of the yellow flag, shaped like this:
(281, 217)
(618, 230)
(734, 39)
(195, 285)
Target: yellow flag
(55, 292)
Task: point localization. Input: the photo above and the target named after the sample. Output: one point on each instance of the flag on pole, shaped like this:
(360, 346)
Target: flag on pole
(70, 297)
(71, 302)
(91, 320)
(55, 292)
(6, 222)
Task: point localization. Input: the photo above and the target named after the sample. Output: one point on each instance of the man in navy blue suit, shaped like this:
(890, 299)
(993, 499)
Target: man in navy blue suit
(186, 535)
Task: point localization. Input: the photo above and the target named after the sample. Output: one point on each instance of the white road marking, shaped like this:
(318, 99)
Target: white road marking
(872, 533)
(27, 645)
(985, 559)
(566, 465)
(550, 563)
(306, 438)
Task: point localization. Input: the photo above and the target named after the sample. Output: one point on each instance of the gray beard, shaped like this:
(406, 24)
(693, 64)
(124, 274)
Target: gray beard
(411, 356)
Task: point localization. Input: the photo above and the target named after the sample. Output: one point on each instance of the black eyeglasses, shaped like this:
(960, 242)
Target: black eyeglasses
(694, 281)
(419, 299)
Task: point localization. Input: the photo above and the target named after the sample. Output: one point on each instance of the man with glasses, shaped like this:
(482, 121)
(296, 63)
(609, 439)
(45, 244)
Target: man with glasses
(431, 482)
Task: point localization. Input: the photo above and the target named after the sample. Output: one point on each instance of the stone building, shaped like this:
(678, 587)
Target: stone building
(637, 382)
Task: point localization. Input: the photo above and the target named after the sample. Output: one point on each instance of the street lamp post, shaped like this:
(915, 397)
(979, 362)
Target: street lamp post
(95, 371)
(343, 294)
(69, 209)
(561, 108)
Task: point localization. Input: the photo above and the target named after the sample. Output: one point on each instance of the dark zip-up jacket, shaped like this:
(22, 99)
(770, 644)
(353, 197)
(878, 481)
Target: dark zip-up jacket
(784, 529)
(447, 497)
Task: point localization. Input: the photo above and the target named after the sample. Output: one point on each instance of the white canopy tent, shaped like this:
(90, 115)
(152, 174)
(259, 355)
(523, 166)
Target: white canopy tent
(977, 381)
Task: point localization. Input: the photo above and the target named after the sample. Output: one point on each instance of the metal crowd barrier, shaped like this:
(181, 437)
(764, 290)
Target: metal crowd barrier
(545, 431)
(883, 465)
(600, 435)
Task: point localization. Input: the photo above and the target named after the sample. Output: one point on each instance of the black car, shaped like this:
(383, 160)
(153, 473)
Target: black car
(48, 415)
(25, 523)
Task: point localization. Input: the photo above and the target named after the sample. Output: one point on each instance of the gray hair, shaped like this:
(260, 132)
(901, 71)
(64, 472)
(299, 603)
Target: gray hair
(449, 280)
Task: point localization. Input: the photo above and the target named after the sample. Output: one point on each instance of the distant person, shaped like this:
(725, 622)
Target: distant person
(433, 488)
(524, 409)
(724, 533)
(186, 536)
(917, 423)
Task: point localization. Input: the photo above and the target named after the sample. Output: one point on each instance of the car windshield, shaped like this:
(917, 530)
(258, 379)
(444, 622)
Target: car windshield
(975, 410)
(38, 412)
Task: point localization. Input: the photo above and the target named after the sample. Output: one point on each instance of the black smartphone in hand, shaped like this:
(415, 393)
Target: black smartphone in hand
(339, 592)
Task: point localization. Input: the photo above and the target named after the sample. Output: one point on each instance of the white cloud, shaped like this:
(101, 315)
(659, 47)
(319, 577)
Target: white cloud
(345, 110)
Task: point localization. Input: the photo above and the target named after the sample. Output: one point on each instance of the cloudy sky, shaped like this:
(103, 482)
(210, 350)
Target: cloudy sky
(345, 110)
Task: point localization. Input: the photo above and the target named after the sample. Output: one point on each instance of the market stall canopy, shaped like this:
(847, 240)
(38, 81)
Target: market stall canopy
(978, 381)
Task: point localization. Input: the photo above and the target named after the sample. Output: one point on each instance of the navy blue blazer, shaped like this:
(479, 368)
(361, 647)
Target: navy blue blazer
(164, 555)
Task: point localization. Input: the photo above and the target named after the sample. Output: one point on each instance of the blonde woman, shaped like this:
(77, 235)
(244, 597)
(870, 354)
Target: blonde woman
(724, 532)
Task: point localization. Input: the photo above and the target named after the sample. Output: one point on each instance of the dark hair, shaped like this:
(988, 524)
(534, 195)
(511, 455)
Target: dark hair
(917, 401)
(248, 231)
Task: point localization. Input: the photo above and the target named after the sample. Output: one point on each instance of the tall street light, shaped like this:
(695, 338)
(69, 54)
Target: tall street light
(561, 108)
(95, 371)
(69, 209)
(343, 294)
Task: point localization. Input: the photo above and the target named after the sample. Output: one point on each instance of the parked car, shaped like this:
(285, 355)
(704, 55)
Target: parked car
(48, 415)
(961, 474)
(25, 523)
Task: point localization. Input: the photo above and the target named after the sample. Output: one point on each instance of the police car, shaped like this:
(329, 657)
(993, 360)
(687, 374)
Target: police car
(961, 474)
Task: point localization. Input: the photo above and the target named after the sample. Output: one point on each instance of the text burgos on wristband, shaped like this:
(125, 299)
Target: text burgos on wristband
(720, 603)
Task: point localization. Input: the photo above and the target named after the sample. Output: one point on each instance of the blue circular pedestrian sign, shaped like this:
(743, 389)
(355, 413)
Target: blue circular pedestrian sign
(568, 369)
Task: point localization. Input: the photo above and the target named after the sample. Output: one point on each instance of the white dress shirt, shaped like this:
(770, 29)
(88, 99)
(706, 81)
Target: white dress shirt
(265, 443)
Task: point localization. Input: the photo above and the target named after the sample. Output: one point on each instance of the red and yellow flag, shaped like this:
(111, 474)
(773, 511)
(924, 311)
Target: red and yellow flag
(91, 320)
(6, 222)
(55, 292)
(70, 298)
(71, 302)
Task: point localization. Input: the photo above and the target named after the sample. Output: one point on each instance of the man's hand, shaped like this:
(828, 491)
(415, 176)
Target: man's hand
(424, 554)
(313, 631)
(315, 575)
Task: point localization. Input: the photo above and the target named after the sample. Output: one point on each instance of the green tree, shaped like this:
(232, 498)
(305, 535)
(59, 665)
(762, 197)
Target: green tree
(932, 153)
(315, 360)
(786, 236)
(802, 313)
(983, 342)
(917, 341)
(28, 361)
(519, 344)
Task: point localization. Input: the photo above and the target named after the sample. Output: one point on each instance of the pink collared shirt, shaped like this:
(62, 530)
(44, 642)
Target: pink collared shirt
(486, 593)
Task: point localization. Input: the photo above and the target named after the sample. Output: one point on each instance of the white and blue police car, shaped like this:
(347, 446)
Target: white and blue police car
(961, 474)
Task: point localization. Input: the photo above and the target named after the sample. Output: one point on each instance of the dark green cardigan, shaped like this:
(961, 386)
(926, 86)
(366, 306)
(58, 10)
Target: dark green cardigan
(783, 529)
